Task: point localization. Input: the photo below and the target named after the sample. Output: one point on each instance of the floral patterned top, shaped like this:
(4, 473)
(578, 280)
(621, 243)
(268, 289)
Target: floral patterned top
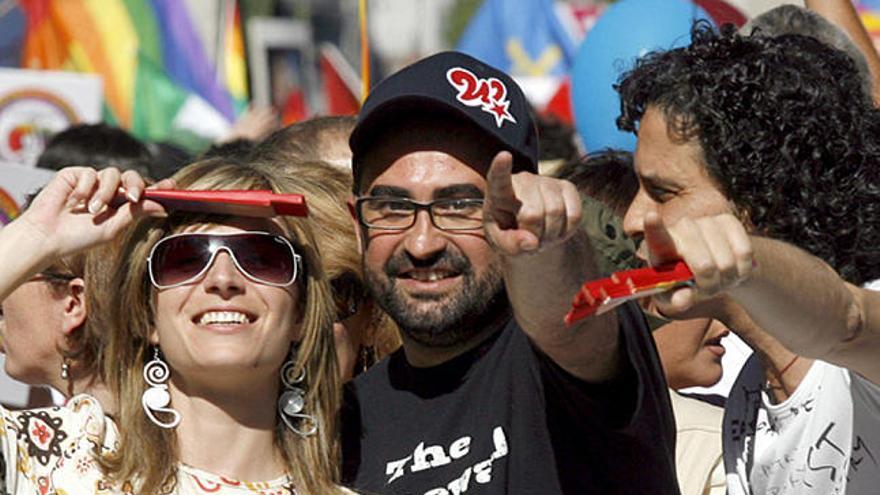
(51, 451)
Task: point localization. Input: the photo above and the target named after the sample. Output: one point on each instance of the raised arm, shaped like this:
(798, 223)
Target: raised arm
(70, 214)
(787, 292)
(810, 309)
(534, 222)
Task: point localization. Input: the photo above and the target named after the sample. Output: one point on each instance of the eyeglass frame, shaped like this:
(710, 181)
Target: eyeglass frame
(417, 207)
(297, 260)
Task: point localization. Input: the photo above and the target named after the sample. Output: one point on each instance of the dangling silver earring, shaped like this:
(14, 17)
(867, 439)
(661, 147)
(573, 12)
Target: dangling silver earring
(156, 398)
(293, 400)
(65, 369)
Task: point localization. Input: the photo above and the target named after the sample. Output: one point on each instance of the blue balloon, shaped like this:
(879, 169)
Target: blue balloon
(868, 4)
(627, 30)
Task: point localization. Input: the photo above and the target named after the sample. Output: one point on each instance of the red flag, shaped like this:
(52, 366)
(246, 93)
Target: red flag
(339, 83)
(294, 108)
(560, 105)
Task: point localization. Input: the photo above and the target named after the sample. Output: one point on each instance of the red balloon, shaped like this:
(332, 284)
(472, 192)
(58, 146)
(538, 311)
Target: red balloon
(722, 12)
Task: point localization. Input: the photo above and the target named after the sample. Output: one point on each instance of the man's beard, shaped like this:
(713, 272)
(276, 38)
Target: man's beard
(457, 316)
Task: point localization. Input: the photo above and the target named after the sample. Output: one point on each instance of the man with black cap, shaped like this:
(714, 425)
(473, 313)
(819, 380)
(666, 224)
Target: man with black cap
(477, 258)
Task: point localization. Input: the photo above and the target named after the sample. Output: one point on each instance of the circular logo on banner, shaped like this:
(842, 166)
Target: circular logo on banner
(8, 207)
(27, 118)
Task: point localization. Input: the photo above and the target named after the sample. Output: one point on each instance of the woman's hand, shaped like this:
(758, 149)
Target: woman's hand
(81, 207)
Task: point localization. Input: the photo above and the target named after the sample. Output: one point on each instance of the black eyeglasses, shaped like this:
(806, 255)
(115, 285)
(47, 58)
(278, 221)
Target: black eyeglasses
(388, 213)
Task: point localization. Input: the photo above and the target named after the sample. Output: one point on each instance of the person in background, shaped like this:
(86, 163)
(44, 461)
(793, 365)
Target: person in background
(834, 22)
(59, 345)
(47, 336)
(96, 145)
(169, 158)
(323, 139)
(238, 149)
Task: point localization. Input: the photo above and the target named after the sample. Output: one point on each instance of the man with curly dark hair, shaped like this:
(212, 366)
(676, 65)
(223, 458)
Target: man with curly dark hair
(742, 138)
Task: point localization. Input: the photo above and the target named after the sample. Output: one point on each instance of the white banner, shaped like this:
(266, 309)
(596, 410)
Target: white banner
(36, 104)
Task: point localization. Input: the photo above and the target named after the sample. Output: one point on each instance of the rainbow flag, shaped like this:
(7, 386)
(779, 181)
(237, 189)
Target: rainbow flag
(185, 58)
(232, 62)
(43, 48)
(158, 80)
(9, 209)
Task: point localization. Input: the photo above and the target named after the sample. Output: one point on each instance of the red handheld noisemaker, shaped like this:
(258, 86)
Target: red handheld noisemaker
(239, 203)
(601, 296)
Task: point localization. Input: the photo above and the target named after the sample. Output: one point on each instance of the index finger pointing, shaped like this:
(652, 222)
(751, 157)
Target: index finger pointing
(500, 178)
(501, 204)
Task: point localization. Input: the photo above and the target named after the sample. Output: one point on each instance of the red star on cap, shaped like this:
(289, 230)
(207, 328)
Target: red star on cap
(499, 110)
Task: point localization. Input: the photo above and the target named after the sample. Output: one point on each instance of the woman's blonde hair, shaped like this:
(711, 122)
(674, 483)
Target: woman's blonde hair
(147, 454)
(328, 189)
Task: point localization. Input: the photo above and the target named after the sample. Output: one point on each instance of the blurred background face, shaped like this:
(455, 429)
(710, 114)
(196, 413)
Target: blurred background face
(691, 352)
(31, 324)
(224, 322)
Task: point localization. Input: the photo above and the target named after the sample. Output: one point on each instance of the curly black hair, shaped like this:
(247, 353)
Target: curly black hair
(786, 130)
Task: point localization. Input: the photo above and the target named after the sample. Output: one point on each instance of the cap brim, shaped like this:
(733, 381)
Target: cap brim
(380, 116)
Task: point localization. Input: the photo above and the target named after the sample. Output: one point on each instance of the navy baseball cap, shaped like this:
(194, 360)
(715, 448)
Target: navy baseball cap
(457, 84)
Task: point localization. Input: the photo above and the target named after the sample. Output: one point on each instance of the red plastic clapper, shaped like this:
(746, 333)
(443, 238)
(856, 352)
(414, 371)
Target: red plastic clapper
(240, 203)
(600, 296)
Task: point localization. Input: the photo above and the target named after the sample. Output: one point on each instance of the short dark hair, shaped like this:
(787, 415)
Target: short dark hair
(606, 176)
(786, 131)
(168, 158)
(237, 149)
(98, 146)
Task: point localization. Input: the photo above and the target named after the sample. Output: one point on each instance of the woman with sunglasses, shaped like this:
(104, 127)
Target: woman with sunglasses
(218, 340)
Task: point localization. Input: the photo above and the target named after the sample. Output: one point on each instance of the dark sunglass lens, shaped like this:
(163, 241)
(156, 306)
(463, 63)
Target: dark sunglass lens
(265, 257)
(178, 259)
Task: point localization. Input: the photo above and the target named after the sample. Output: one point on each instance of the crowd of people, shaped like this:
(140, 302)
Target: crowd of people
(407, 335)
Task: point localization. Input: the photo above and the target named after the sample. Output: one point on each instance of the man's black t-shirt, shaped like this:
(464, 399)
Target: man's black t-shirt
(505, 419)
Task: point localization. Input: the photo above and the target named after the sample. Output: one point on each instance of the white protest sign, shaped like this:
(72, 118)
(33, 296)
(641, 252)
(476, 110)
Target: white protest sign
(36, 104)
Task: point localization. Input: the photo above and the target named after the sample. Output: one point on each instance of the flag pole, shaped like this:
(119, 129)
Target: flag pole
(365, 50)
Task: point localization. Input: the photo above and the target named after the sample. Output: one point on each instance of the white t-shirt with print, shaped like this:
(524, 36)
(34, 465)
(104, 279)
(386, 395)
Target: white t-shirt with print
(823, 440)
